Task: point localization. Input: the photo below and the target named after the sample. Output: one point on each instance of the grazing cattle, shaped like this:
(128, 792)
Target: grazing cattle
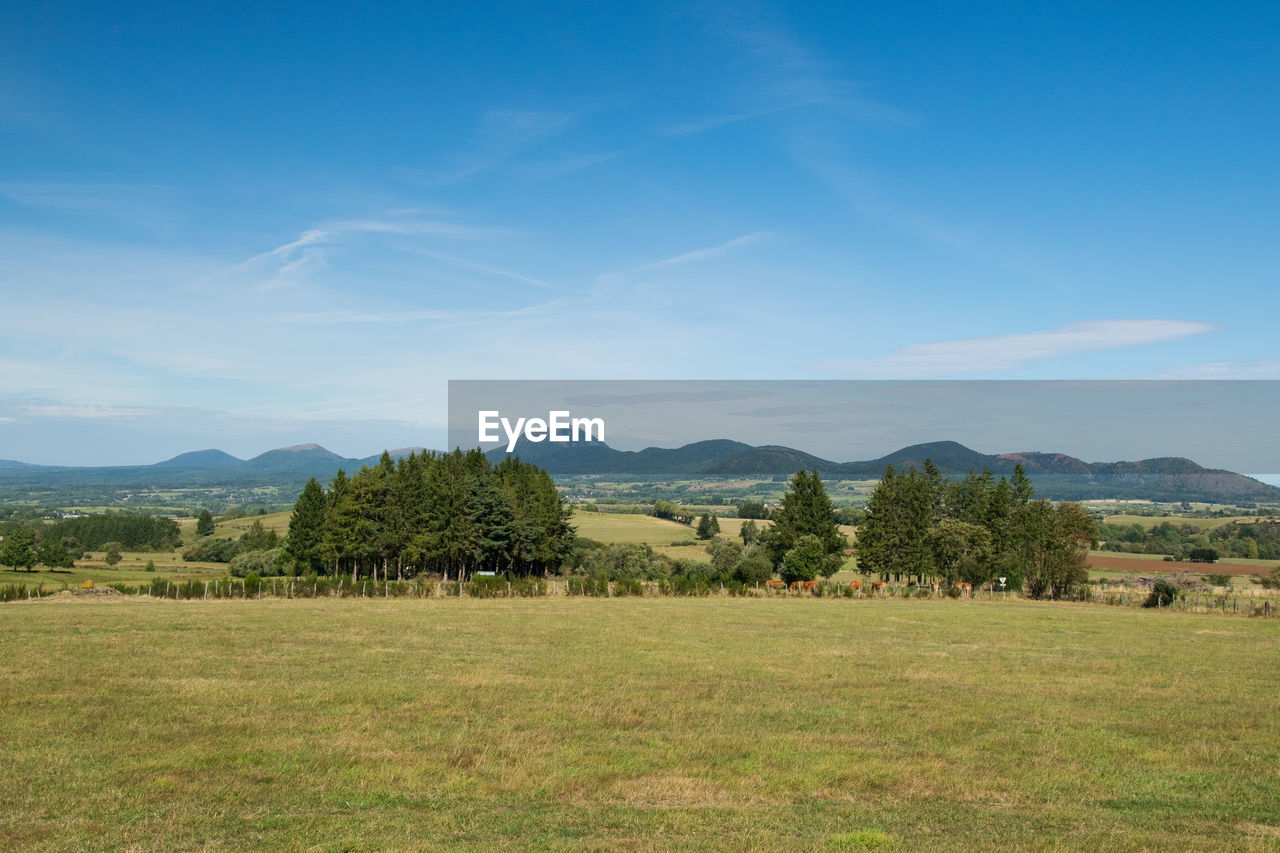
(810, 585)
(856, 586)
(878, 587)
(775, 584)
(966, 589)
(936, 587)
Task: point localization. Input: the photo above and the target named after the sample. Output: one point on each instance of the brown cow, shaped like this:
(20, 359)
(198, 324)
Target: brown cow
(856, 586)
(878, 587)
(775, 584)
(966, 589)
(810, 585)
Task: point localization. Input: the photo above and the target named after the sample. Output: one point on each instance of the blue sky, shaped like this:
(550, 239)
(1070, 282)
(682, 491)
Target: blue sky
(245, 227)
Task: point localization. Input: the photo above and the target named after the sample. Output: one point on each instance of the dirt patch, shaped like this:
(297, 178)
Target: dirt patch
(1160, 567)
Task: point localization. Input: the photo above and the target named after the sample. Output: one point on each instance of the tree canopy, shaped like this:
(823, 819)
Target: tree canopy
(805, 511)
(451, 513)
(920, 524)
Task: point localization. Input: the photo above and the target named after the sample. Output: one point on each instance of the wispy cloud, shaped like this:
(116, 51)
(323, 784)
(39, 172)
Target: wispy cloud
(1256, 368)
(132, 203)
(711, 122)
(306, 252)
(474, 266)
(1009, 352)
(784, 75)
(500, 134)
(728, 247)
(542, 170)
(79, 411)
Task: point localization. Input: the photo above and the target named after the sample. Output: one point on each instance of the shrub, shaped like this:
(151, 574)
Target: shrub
(151, 566)
(272, 563)
(1162, 594)
(1218, 579)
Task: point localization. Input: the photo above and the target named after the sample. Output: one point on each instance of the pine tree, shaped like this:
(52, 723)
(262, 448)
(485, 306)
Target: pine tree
(806, 511)
(305, 543)
(204, 524)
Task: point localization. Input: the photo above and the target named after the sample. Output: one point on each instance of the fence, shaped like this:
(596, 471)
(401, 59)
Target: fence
(1254, 606)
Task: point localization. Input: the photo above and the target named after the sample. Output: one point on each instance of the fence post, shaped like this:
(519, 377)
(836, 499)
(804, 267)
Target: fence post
(206, 590)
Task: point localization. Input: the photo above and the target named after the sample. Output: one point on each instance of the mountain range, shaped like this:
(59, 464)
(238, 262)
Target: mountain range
(1056, 475)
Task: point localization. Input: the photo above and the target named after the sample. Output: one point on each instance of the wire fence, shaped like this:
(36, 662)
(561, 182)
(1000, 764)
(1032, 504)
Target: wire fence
(1251, 605)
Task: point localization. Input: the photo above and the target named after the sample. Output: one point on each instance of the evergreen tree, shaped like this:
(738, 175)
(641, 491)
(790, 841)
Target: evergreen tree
(305, 542)
(448, 513)
(1021, 486)
(805, 511)
(204, 524)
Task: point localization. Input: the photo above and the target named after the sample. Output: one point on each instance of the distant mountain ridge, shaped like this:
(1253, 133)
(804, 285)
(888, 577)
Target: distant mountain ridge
(1056, 475)
(201, 459)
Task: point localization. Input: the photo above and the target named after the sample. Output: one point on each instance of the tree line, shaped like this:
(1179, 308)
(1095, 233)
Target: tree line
(451, 514)
(1251, 540)
(922, 525)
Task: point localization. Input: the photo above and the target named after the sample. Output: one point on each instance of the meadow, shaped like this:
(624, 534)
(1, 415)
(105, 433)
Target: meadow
(700, 724)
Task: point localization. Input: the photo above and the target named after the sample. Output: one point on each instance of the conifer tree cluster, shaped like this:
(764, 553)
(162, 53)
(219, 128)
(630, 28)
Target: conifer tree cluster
(921, 525)
(804, 541)
(451, 514)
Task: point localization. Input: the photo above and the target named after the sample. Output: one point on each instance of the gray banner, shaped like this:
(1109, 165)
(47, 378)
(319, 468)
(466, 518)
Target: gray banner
(1228, 425)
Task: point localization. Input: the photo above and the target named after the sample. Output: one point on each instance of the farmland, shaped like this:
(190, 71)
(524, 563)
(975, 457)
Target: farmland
(616, 724)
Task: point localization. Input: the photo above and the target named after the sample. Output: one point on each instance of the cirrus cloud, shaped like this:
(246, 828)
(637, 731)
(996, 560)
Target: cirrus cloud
(1009, 352)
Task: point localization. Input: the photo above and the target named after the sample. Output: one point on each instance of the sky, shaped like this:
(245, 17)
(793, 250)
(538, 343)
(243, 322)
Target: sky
(252, 225)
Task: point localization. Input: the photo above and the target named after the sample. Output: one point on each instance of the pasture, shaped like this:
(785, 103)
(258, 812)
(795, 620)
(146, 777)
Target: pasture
(1150, 521)
(617, 528)
(132, 568)
(236, 527)
(700, 724)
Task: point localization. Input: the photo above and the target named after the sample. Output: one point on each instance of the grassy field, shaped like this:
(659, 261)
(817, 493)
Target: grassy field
(277, 521)
(612, 528)
(1149, 522)
(592, 724)
(130, 569)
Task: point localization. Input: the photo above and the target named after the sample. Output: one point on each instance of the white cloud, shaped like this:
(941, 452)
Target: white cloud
(1009, 352)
